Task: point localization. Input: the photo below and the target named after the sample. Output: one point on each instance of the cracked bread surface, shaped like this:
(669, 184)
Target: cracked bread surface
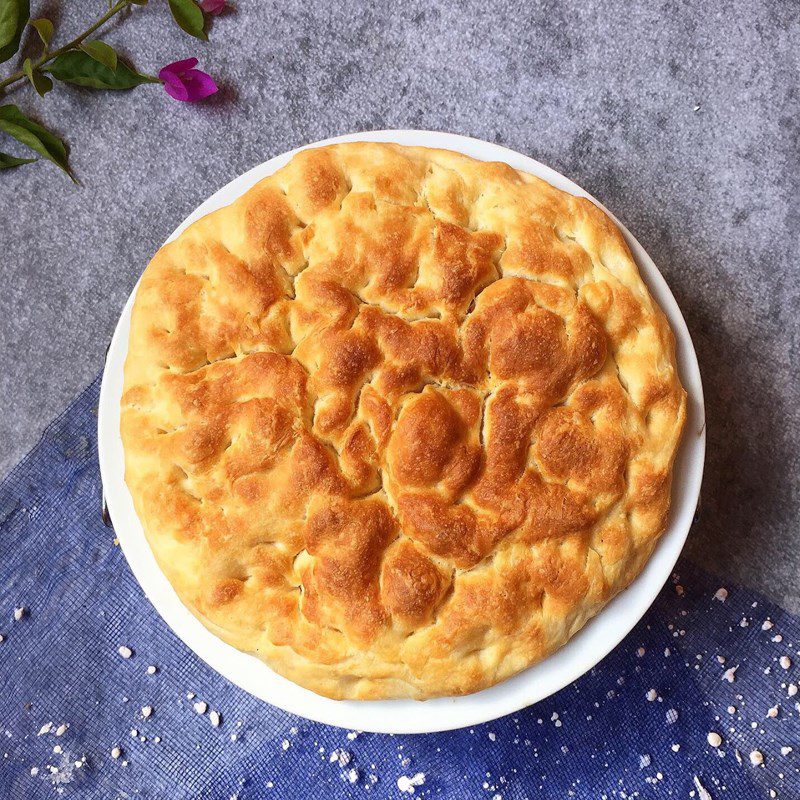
(398, 421)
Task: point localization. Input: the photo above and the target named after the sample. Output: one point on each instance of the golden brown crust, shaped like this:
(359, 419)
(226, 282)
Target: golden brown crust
(398, 421)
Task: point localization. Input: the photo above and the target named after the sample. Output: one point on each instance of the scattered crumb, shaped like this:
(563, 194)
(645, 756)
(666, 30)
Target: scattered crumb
(45, 729)
(786, 750)
(651, 695)
(339, 756)
(791, 689)
(785, 662)
(730, 674)
(285, 744)
(714, 739)
(772, 712)
(19, 613)
(151, 670)
(115, 752)
(213, 716)
(675, 747)
(721, 594)
(124, 651)
(702, 792)
(61, 729)
(766, 625)
(200, 707)
(147, 711)
(756, 758)
(407, 783)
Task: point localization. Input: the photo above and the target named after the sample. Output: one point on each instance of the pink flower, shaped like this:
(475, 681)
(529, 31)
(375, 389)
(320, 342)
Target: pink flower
(183, 82)
(212, 6)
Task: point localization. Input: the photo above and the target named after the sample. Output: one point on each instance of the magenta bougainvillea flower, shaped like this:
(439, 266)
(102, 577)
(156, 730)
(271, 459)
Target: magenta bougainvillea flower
(185, 83)
(212, 6)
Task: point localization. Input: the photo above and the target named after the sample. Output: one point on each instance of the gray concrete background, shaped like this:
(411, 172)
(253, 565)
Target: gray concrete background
(605, 93)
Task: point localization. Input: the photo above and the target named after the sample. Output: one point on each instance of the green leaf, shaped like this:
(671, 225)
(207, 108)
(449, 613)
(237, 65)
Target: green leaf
(80, 68)
(7, 161)
(189, 16)
(13, 19)
(31, 134)
(102, 52)
(40, 82)
(45, 30)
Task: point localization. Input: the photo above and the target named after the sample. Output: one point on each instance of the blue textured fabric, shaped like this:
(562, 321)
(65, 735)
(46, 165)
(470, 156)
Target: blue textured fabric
(63, 685)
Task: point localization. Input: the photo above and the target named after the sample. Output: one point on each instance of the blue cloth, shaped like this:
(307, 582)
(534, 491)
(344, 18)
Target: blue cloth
(599, 738)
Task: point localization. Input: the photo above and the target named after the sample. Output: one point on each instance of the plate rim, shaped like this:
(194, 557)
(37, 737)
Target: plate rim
(580, 654)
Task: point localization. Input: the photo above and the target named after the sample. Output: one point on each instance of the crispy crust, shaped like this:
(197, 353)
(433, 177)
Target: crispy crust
(398, 421)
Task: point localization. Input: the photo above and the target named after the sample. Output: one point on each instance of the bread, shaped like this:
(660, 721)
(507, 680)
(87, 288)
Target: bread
(399, 422)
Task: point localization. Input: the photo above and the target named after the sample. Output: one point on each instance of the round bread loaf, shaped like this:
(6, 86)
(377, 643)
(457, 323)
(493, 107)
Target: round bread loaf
(397, 421)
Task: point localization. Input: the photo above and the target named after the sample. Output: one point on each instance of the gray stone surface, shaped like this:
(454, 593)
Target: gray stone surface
(610, 97)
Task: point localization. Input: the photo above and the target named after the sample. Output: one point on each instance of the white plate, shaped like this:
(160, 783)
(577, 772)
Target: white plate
(579, 655)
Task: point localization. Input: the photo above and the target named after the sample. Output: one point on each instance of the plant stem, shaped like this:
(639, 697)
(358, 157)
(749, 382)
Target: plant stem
(46, 57)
